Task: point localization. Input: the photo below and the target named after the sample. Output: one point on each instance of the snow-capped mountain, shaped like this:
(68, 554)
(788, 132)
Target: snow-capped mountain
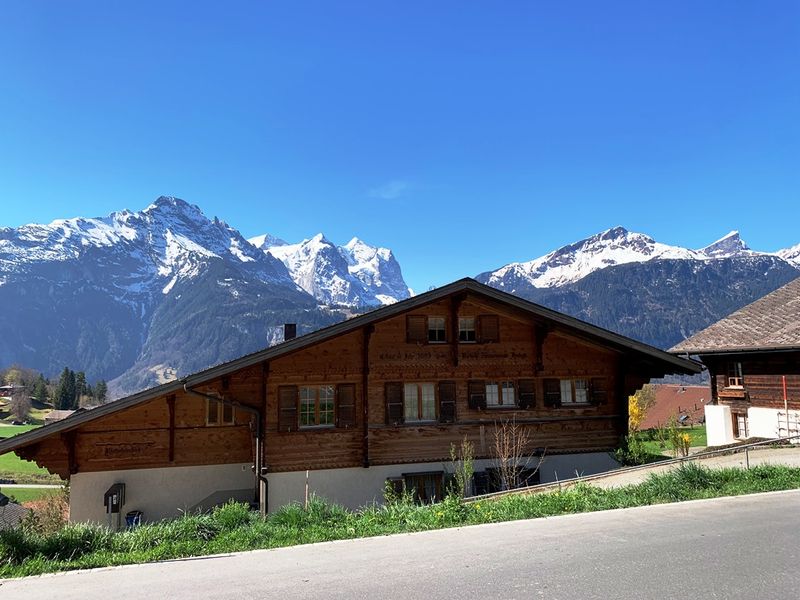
(631, 284)
(616, 246)
(356, 274)
(791, 255)
(135, 295)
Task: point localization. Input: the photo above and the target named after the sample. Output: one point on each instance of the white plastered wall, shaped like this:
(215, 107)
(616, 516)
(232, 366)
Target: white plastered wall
(719, 425)
(772, 423)
(159, 493)
(167, 492)
(356, 487)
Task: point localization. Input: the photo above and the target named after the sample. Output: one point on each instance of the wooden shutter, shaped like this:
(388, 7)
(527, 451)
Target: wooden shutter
(488, 328)
(417, 329)
(345, 405)
(527, 393)
(287, 408)
(476, 396)
(598, 390)
(552, 392)
(394, 403)
(447, 402)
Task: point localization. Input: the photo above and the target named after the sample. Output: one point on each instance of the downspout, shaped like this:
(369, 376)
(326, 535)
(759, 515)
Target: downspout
(258, 430)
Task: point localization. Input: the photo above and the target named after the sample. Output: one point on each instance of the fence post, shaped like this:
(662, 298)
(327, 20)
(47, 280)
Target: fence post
(747, 457)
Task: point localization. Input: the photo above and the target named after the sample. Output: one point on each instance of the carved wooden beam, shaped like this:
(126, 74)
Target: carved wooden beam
(367, 333)
(68, 439)
(171, 409)
(455, 304)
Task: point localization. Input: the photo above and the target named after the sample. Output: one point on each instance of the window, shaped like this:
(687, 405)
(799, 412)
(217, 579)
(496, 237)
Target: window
(466, 329)
(566, 392)
(419, 402)
(436, 329)
(735, 378)
(740, 429)
(491, 480)
(218, 413)
(501, 394)
(425, 488)
(317, 406)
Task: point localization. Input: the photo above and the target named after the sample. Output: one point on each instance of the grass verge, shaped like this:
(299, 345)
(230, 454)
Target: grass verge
(233, 528)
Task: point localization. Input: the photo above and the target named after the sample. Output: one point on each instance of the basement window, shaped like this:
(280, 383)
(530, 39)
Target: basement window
(219, 414)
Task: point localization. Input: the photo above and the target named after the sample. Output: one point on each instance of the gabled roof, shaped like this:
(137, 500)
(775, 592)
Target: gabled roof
(669, 363)
(771, 323)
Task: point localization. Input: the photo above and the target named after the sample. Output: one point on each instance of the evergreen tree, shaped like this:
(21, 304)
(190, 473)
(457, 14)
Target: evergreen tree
(72, 390)
(40, 389)
(80, 387)
(100, 391)
(66, 397)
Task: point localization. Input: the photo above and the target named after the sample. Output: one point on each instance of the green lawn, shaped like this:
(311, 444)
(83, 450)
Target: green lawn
(697, 433)
(22, 471)
(27, 494)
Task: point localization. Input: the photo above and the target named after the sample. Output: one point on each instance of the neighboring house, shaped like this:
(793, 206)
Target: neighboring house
(684, 402)
(380, 397)
(753, 357)
(57, 415)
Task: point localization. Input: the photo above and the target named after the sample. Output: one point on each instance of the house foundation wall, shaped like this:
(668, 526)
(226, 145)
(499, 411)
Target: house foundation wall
(357, 487)
(162, 493)
(165, 493)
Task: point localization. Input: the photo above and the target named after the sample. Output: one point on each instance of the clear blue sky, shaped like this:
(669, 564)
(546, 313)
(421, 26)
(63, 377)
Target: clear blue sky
(463, 135)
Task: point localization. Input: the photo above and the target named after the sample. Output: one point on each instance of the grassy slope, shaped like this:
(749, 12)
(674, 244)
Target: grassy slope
(234, 528)
(27, 494)
(22, 471)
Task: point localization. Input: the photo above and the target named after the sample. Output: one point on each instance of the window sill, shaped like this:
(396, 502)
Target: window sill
(315, 427)
(575, 405)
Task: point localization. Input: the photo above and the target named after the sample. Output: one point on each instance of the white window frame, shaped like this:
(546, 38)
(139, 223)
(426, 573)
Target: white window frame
(466, 330)
(501, 394)
(315, 395)
(419, 402)
(570, 392)
(440, 335)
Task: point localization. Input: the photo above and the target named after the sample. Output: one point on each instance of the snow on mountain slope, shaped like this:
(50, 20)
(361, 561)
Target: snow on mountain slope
(377, 268)
(573, 262)
(614, 246)
(790, 255)
(356, 274)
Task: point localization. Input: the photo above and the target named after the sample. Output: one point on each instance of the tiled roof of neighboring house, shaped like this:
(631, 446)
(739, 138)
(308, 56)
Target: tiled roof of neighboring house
(771, 323)
(677, 400)
(57, 415)
(11, 514)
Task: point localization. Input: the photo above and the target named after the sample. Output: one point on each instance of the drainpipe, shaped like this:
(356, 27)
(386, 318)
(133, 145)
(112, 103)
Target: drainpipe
(259, 436)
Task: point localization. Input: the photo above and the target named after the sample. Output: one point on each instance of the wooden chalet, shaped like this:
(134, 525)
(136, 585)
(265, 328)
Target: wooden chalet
(340, 411)
(753, 357)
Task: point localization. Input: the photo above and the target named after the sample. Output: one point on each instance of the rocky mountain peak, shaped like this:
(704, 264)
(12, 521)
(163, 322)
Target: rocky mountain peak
(729, 245)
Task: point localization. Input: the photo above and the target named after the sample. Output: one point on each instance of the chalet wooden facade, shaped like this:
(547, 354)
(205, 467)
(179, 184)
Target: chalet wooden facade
(753, 357)
(379, 397)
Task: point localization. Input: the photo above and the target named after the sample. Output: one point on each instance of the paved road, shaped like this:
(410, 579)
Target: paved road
(745, 547)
